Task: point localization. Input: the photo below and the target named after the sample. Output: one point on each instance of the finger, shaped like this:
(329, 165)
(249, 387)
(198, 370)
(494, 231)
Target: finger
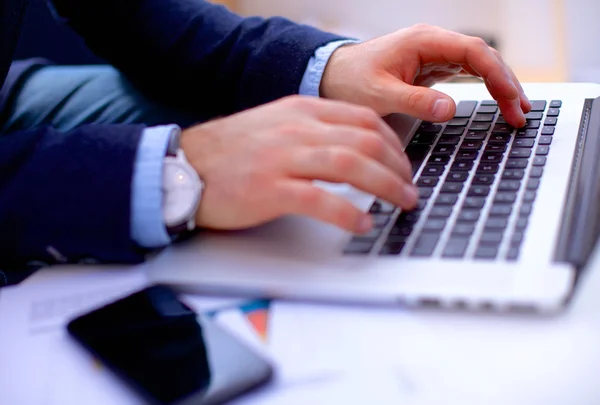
(301, 197)
(439, 45)
(367, 142)
(421, 102)
(525, 103)
(344, 165)
(339, 112)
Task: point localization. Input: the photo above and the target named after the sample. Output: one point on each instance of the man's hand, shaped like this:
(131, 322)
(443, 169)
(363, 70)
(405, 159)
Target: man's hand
(259, 165)
(391, 74)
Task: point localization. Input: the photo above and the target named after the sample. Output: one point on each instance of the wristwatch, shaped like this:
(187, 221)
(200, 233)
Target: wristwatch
(182, 189)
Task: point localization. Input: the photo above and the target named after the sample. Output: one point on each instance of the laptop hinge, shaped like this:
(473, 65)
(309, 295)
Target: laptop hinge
(580, 224)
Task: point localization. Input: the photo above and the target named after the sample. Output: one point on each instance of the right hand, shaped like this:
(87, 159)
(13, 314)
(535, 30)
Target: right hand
(258, 165)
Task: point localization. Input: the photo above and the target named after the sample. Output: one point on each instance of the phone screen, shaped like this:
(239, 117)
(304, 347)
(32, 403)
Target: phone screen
(166, 352)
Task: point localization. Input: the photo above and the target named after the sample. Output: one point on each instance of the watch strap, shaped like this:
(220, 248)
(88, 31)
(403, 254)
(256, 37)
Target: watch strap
(174, 142)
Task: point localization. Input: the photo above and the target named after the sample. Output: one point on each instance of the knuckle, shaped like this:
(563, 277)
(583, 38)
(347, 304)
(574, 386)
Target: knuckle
(342, 160)
(479, 43)
(421, 27)
(310, 197)
(368, 117)
(298, 102)
(415, 98)
(372, 144)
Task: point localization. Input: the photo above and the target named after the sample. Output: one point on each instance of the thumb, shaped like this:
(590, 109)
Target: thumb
(424, 103)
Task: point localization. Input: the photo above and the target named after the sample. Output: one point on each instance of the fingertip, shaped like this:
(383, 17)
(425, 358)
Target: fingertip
(410, 196)
(442, 109)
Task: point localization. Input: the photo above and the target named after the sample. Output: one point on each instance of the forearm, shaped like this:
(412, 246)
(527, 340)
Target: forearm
(66, 196)
(196, 54)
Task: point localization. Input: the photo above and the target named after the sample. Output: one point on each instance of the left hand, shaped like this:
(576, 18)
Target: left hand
(392, 74)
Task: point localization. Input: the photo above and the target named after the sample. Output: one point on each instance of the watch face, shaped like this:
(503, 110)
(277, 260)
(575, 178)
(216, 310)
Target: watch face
(181, 192)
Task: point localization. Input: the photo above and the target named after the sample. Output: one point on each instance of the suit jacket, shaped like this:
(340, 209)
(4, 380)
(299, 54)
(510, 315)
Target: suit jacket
(66, 196)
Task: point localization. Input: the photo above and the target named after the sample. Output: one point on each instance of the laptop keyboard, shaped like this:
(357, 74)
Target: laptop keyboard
(477, 178)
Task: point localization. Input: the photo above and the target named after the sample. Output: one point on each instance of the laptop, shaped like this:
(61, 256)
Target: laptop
(506, 220)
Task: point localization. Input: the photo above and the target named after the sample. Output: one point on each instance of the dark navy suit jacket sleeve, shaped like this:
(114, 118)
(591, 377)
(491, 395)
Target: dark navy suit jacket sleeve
(65, 197)
(196, 54)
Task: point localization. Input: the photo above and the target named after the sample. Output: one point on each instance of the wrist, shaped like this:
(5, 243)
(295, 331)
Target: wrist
(336, 69)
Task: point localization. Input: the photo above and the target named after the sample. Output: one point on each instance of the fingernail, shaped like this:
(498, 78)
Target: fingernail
(410, 194)
(441, 107)
(365, 224)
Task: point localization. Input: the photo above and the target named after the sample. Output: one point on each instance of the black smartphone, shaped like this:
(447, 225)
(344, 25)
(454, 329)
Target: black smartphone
(167, 353)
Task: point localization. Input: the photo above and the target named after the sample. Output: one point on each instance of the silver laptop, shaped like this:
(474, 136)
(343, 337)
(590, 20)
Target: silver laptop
(506, 219)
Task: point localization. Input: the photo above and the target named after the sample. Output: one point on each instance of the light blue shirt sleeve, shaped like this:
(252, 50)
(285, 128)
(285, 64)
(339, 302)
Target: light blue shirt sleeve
(311, 81)
(147, 225)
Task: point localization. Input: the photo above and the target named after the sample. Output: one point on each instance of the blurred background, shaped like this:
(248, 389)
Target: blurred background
(543, 40)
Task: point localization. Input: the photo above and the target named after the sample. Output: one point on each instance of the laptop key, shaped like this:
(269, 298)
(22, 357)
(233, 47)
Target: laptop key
(522, 223)
(425, 245)
(553, 112)
(425, 192)
(451, 188)
(539, 161)
(550, 121)
(382, 207)
(392, 248)
(491, 238)
(474, 202)
(480, 126)
(542, 150)
(555, 103)
(423, 139)
(517, 163)
(358, 246)
(533, 124)
(496, 223)
(513, 254)
(483, 179)
(475, 136)
(533, 184)
(488, 168)
(486, 252)
(458, 122)
(479, 191)
(509, 185)
(502, 129)
(466, 155)
(428, 181)
(463, 228)
(469, 215)
(545, 140)
(438, 160)
(456, 247)
(430, 128)
(433, 170)
(519, 153)
(483, 118)
(536, 172)
(457, 177)
(444, 150)
(526, 209)
(495, 148)
(464, 109)
(499, 139)
(524, 143)
(538, 105)
(446, 199)
(487, 109)
(529, 196)
(491, 157)
(548, 131)
(440, 211)
(513, 174)
(527, 133)
(534, 115)
(462, 166)
(454, 130)
(499, 210)
(505, 197)
(471, 145)
(489, 102)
